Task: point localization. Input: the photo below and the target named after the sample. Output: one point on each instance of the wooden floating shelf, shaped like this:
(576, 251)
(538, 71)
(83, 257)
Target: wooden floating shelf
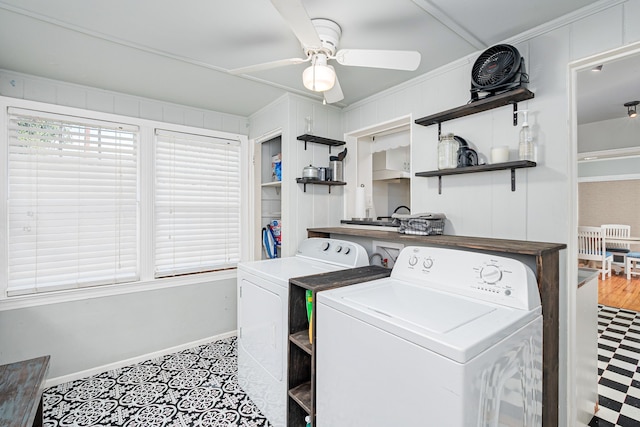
(519, 164)
(320, 140)
(491, 102)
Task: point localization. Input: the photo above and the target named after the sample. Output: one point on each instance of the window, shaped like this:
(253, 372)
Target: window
(72, 202)
(95, 199)
(197, 203)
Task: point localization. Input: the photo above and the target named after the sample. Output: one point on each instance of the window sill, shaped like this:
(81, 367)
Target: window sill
(56, 297)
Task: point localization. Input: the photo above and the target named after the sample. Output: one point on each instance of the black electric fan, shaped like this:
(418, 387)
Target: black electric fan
(497, 70)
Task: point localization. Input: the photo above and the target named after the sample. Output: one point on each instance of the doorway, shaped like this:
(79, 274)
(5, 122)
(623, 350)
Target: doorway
(604, 141)
(608, 160)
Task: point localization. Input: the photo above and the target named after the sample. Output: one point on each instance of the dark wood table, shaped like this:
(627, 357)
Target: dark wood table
(21, 386)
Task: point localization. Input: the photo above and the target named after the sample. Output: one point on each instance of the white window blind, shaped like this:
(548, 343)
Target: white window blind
(72, 208)
(197, 203)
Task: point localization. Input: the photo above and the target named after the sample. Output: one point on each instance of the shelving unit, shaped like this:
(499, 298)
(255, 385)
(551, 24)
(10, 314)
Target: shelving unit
(302, 364)
(306, 181)
(270, 190)
(512, 97)
(520, 164)
(320, 140)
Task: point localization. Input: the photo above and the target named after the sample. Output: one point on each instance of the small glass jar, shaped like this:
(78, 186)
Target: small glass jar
(447, 152)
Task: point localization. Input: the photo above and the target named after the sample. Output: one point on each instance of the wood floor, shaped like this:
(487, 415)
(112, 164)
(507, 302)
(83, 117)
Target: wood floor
(617, 291)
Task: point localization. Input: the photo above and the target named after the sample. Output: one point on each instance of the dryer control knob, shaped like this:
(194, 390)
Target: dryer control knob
(427, 263)
(491, 274)
(325, 246)
(338, 248)
(413, 260)
(347, 250)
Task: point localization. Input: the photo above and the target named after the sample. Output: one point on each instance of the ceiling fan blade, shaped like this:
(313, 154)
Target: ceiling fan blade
(335, 93)
(296, 16)
(268, 65)
(408, 60)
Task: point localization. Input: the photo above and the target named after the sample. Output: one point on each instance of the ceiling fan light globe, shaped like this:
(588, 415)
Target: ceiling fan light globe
(318, 78)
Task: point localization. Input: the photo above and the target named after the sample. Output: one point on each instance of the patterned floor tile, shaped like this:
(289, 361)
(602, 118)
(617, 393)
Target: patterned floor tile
(195, 387)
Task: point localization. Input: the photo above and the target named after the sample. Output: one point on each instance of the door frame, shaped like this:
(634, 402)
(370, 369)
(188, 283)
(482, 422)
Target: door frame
(572, 250)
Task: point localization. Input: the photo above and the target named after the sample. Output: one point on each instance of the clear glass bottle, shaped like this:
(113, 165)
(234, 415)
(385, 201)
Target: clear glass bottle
(527, 147)
(447, 152)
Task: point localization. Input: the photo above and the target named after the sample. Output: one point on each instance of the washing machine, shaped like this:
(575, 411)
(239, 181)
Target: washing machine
(452, 338)
(263, 291)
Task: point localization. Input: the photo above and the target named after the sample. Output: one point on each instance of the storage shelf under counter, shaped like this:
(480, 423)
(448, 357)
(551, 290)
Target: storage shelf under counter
(301, 362)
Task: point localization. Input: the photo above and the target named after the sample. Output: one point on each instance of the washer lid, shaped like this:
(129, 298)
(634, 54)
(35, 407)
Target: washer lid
(453, 326)
(280, 270)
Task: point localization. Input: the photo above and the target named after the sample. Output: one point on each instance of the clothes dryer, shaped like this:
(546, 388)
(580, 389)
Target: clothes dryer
(263, 292)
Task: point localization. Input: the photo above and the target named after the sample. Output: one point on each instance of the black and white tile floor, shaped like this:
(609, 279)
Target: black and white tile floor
(618, 368)
(195, 387)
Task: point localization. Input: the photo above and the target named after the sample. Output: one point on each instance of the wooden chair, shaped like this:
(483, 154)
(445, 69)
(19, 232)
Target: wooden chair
(619, 250)
(633, 258)
(591, 247)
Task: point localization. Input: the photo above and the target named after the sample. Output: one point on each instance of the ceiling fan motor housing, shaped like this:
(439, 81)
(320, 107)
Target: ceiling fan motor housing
(497, 70)
(329, 33)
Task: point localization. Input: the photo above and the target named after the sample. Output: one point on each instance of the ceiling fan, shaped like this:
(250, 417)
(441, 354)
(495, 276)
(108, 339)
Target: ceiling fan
(319, 39)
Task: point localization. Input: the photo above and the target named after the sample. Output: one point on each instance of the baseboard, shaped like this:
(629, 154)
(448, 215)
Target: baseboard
(122, 363)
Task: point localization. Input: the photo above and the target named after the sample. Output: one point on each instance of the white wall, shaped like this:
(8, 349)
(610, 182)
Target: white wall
(86, 334)
(23, 86)
(612, 169)
(609, 134)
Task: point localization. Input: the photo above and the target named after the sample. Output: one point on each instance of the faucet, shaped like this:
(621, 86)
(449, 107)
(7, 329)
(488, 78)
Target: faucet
(395, 211)
(400, 207)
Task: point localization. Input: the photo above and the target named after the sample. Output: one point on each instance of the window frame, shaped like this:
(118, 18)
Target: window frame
(146, 173)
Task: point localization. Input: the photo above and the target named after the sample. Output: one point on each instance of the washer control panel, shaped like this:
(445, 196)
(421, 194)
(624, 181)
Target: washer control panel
(334, 251)
(483, 276)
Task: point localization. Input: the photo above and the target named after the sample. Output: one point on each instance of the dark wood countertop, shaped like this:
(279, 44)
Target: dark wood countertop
(334, 279)
(481, 243)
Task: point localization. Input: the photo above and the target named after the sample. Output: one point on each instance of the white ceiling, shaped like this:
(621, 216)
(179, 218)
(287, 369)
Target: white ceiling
(180, 51)
(601, 95)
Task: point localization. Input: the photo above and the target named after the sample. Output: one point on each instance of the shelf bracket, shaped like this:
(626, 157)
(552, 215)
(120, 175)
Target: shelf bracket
(439, 184)
(304, 187)
(515, 114)
(513, 179)
(439, 130)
